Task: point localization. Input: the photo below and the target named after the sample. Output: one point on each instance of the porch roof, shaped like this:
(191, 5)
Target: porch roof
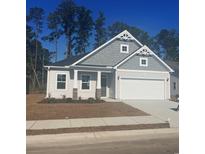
(68, 61)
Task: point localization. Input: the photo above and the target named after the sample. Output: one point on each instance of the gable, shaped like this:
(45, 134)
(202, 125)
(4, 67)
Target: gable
(134, 64)
(110, 54)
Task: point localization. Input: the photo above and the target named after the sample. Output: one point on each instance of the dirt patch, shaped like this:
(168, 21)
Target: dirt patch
(45, 111)
(95, 129)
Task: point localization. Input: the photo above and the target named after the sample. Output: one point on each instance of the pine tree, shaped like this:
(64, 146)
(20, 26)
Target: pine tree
(100, 30)
(84, 28)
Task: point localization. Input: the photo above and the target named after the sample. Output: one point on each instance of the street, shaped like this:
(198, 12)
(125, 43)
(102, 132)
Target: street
(141, 143)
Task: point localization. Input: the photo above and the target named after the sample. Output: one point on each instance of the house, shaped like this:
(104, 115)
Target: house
(121, 68)
(174, 79)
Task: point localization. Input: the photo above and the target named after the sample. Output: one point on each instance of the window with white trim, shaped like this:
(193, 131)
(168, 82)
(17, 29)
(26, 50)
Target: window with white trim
(85, 85)
(144, 62)
(61, 81)
(124, 48)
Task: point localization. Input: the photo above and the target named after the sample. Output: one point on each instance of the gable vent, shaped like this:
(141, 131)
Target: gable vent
(144, 52)
(125, 36)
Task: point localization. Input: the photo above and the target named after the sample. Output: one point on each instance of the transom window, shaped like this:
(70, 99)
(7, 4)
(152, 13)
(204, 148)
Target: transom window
(85, 82)
(61, 81)
(143, 62)
(124, 48)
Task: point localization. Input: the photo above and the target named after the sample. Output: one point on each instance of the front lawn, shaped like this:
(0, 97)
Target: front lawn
(44, 111)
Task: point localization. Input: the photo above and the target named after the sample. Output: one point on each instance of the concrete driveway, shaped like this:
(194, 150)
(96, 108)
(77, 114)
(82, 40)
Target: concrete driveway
(162, 109)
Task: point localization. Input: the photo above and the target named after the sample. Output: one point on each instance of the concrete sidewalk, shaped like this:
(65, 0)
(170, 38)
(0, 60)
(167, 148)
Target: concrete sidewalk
(94, 137)
(91, 122)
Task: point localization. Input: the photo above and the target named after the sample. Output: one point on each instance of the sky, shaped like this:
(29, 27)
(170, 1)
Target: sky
(148, 15)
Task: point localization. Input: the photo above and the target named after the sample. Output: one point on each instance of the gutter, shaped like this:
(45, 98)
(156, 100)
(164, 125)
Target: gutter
(56, 67)
(95, 67)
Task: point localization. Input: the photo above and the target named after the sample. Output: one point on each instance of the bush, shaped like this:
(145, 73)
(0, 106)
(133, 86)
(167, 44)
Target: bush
(51, 100)
(70, 100)
(90, 100)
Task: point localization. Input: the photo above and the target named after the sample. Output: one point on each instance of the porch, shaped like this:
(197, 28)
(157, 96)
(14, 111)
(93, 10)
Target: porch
(99, 84)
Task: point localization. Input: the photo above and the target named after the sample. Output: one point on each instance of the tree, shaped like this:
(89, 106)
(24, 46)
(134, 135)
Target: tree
(100, 30)
(56, 32)
(36, 18)
(169, 41)
(139, 34)
(67, 11)
(84, 28)
(29, 38)
(44, 57)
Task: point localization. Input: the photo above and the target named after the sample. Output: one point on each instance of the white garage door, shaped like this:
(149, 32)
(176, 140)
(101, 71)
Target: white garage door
(132, 88)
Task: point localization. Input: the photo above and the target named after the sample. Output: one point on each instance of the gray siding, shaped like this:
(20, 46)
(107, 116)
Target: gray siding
(175, 79)
(134, 64)
(110, 55)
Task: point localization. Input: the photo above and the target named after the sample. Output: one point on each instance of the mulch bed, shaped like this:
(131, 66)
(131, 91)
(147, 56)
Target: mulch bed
(95, 129)
(44, 111)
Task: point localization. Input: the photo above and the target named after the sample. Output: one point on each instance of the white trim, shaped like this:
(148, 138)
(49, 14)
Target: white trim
(124, 45)
(106, 71)
(75, 79)
(85, 74)
(48, 83)
(117, 36)
(98, 80)
(116, 84)
(123, 61)
(143, 65)
(95, 67)
(171, 70)
(66, 80)
(57, 66)
(143, 71)
(137, 51)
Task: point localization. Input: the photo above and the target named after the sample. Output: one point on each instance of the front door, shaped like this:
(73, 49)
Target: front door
(103, 85)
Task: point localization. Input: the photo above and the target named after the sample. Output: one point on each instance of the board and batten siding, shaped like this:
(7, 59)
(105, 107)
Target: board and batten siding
(85, 94)
(58, 93)
(110, 55)
(143, 75)
(134, 64)
(112, 85)
(68, 91)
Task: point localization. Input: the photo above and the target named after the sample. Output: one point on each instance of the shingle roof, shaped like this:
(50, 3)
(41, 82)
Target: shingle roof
(68, 61)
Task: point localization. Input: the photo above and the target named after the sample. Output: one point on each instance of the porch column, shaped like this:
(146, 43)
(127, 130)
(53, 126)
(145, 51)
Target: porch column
(98, 89)
(48, 82)
(75, 85)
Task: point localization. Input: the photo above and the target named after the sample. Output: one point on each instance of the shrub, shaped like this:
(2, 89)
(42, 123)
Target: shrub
(51, 100)
(90, 100)
(69, 100)
(99, 100)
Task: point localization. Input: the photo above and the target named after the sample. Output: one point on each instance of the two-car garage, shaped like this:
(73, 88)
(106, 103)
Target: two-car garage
(143, 85)
(136, 88)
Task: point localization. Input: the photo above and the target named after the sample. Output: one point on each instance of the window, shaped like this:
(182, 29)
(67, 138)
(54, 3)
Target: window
(124, 48)
(174, 85)
(61, 81)
(85, 82)
(143, 62)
